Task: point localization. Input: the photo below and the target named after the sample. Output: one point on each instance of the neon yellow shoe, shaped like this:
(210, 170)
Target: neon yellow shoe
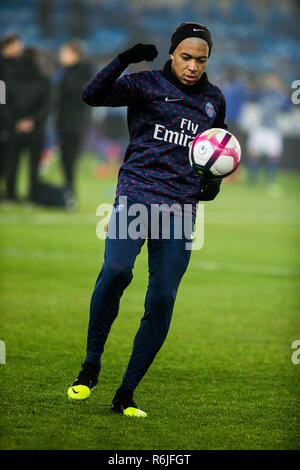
(134, 413)
(123, 403)
(87, 379)
(79, 392)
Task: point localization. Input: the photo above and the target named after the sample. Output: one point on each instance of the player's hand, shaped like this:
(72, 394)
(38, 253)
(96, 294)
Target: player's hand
(208, 189)
(138, 53)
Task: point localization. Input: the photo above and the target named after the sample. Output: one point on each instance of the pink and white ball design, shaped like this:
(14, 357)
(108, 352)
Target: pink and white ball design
(215, 152)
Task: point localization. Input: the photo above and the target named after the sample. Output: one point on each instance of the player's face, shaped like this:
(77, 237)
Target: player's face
(189, 61)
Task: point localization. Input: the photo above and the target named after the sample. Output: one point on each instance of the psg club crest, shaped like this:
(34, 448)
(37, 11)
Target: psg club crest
(209, 109)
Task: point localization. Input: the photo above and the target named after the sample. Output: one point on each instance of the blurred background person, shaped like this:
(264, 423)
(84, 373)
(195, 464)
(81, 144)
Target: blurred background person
(265, 141)
(72, 115)
(11, 47)
(29, 103)
(236, 95)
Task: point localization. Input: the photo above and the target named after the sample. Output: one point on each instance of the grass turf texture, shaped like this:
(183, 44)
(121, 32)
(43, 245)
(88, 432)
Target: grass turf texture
(224, 378)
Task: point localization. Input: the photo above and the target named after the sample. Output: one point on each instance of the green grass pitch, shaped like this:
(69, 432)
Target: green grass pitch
(224, 378)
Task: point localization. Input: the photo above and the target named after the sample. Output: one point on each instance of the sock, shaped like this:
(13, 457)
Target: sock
(123, 389)
(93, 358)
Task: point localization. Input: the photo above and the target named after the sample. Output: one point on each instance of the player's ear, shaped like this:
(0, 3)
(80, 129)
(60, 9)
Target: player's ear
(172, 56)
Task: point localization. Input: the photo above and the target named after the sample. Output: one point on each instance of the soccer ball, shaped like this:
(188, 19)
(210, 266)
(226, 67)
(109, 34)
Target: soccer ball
(215, 153)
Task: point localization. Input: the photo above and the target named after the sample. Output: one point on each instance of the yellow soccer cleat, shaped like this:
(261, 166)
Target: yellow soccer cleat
(134, 413)
(123, 403)
(87, 379)
(79, 392)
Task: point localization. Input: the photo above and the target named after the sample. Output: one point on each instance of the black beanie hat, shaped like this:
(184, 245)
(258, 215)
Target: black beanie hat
(190, 30)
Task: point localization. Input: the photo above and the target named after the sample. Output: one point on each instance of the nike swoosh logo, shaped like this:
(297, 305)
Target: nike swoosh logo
(198, 29)
(74, 390)
(172, 99)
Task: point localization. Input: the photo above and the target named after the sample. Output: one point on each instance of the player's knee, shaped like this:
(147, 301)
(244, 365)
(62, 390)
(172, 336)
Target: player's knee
(118, 272)
(166, 298)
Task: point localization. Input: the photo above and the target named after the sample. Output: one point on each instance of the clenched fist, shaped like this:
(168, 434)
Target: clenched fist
(138, 53)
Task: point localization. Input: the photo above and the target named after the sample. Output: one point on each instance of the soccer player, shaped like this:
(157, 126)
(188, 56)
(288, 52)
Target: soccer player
(166, 110)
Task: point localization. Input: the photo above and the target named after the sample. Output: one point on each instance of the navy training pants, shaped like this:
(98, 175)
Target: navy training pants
(168, 259)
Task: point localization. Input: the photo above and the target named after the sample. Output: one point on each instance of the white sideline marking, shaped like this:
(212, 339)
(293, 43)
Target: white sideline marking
(238, 268)
(41, 254)
(47, 219)
(2, 352)
(230, 218)
(246, 268)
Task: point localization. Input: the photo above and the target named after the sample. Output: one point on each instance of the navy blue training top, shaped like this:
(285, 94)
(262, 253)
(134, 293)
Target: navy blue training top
(162, 122)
